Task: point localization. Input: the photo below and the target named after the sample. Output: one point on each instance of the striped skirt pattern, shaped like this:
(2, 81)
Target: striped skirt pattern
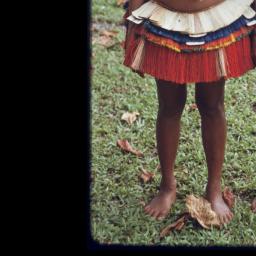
(189, 48)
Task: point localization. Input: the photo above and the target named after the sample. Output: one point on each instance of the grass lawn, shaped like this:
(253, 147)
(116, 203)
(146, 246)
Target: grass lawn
(116, 192)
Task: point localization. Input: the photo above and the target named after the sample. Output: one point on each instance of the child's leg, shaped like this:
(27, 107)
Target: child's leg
(172, 99)
(210, 102)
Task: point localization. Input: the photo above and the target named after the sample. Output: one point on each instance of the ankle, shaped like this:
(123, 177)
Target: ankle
(213, 191)
(213, 187)
(168, 185)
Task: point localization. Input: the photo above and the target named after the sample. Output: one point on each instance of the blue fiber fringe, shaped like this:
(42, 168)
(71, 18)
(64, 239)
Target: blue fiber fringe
(183, 38)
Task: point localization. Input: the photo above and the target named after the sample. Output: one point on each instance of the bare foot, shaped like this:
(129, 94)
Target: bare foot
(219, 206)
(159, 207)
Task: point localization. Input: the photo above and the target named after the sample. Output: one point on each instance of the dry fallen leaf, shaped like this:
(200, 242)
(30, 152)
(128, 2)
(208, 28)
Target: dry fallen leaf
(109, 33)
(177, 225)
(124, 145)
(146, 176)
(254, 205)
(200, 209)
(121, 2)
(129, 117)
(106, 41)
(105, 38)
(228, 197)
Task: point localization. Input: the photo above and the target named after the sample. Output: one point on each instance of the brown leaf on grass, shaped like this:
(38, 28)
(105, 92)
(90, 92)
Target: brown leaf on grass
(105, 41)
(177, 225)
(200, 209)
(228, 197)
(109, 33)
(253, 207)
(129, 117)
(146, 176)
(105, 38)
(124, 145)
(121, 2)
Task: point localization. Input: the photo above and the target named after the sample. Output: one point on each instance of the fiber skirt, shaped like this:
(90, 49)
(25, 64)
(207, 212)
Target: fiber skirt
(190, 48)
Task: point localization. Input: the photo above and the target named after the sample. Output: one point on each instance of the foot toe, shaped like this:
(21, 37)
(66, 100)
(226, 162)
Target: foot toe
(229, 217)
(221, 218)
(225, 219)
(151, 212)
(147, 208)
(161, 215)
(155, 214)
(160, 218)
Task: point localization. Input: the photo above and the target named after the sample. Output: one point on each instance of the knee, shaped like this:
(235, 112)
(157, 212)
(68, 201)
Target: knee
(171, 110)
(207, 109)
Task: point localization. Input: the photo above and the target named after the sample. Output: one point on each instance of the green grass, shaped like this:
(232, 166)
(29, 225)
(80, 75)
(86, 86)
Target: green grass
(116, 214)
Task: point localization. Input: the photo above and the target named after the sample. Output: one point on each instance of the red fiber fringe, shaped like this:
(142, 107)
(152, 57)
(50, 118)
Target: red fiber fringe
(165, 64)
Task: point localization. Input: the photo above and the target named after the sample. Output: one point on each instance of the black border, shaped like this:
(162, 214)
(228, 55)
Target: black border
(85, 125)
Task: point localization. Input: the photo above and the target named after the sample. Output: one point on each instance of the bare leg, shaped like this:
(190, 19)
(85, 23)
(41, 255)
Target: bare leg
(172, 99)
(210, 102)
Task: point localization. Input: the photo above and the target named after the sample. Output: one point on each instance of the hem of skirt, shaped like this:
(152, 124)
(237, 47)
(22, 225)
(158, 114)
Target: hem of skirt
(142, 74)
(229, 62)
